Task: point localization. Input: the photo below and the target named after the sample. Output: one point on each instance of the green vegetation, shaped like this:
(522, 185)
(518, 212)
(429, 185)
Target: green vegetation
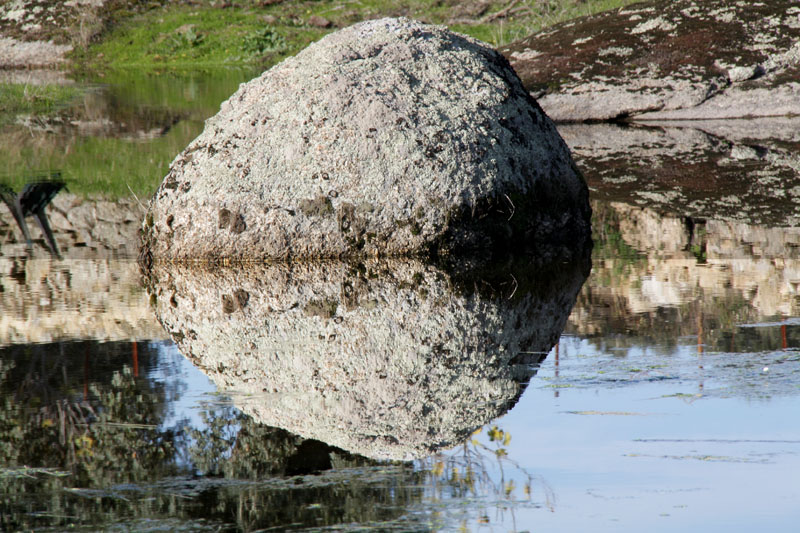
(182, 37)
(149, 72)
(193, 34)
(34, 99)
(95, 165)
(113, 162)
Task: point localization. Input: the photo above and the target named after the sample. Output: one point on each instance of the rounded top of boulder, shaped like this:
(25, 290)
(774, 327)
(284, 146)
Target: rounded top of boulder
(389, 137)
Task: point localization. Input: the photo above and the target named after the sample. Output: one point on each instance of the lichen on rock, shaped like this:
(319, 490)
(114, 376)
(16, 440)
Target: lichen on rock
(665, 59)
(390, 137)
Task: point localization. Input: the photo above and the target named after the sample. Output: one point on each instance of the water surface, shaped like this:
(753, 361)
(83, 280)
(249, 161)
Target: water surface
(660, 393)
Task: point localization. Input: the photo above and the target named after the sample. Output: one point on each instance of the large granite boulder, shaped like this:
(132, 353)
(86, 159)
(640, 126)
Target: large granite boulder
(665, 59)
(390, 137)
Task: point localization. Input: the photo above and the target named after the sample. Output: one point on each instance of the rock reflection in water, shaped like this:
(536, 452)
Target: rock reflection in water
(390, 360)
(660, 279)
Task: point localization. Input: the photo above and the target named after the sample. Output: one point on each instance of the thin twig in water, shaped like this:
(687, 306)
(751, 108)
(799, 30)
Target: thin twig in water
(513, 207)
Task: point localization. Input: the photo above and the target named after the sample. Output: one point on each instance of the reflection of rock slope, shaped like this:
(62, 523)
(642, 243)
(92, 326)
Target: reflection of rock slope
(673, 276)
(744, 170)
(387, 360)
(101, 113)
(45, 300)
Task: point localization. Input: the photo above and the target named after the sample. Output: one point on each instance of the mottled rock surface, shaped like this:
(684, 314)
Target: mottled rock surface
(40, 33)
(31, 54)
(390, 137)
(746, 171)
(82, 227)
(664, 59)
(390, 359)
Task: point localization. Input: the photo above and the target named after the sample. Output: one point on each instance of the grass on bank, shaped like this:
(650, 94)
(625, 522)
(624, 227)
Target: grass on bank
(192, 34)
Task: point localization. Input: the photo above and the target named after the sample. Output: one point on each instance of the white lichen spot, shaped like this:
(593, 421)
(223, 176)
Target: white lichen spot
(743, 153)
(634, 18)
(742, 73)
(723, 15)
(619, 179)
(622, 51)
(663, 197)
(525, 55)
(730, 200)
(581, 40)
(15, 14)
(764, 38)
(690, 12)
(634, 11)
(658, 23)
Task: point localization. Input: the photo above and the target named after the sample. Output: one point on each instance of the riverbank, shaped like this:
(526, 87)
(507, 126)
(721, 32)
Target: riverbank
(190, 33)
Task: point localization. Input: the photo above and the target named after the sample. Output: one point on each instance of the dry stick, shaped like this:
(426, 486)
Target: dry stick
(500, 14)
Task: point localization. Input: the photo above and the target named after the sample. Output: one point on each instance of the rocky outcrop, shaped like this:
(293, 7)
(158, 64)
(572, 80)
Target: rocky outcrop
(744, 171)
(389, 137)
(38, 34)
(83, 228)
(389, 359)
(37, 54)
(665, 59)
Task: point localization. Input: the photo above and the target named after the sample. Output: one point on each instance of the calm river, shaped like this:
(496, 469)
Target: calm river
(650, 384)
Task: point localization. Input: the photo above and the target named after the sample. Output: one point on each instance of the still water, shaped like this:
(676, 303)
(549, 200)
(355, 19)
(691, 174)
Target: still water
(651, 383)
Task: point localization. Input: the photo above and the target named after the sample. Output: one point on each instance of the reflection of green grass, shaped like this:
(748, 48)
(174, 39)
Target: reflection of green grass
(108, 167)
(202, 35)
(610, 246)
(196, 93)
(35, 99)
